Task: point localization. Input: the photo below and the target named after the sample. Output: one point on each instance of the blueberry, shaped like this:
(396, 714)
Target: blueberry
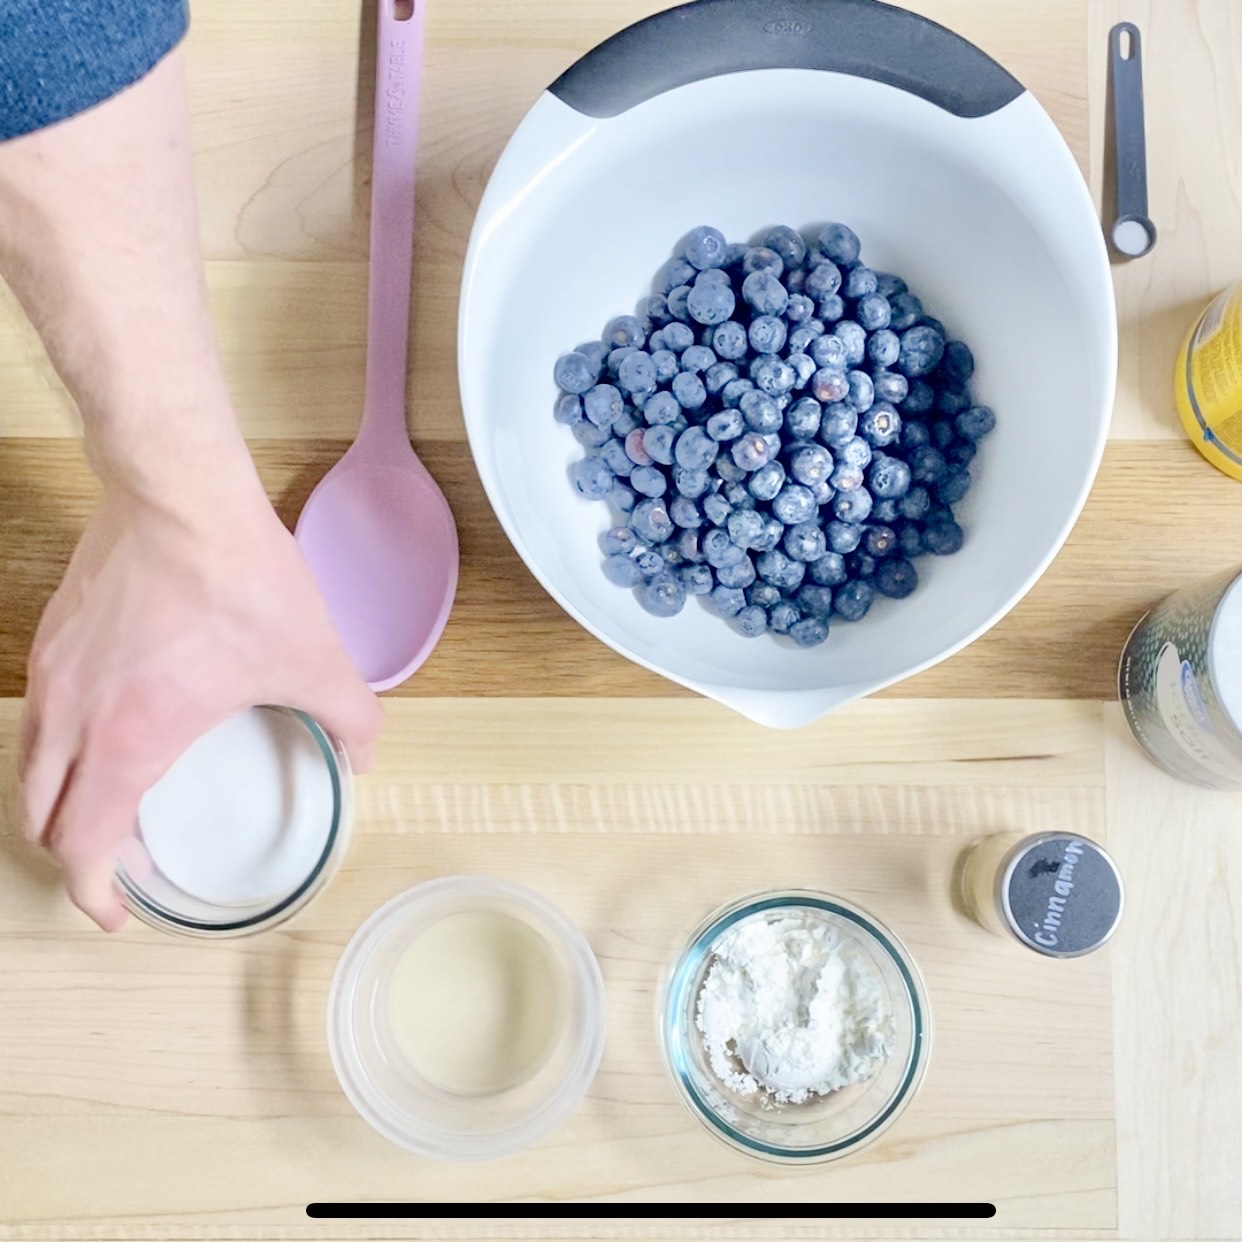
(852, 506)
(811, 465)
(726, 425)
(603, 405)
(890, 386)
(828, 351)
(710, 302)
(831, 308)
(650, 563)
(828, 385)
(851, 601)
(705, 247)
(802, 367)
(695, 449)
(764, 293)
(719, 550)
(767, 334)
(762, 259)
(943, 538)
(824, 493)
(799, 309)
(740, 575)
(838, 243)
(910, 537)
(814, 601)
(873, 311)
(713, 275)
(760, 412)
(896, 578)
(846, 478)
(802, 337)
(883, 347)
(678, 337)
(862, 390)
(927, 465)
(802, 419)
(622, 570)
(780, 570)
(914, 435)
(665, 365)
(829, 569)
(658, 441)
(671, 552)
(575, 373)
(921, 348)
(737, 496)
(655, 309)
(687, 544)
(729, 341)
(793, 504)
(729, 471)
(794, 281)
(751, 621)
(767, 481)
(958, 363)
(733, 392)
(717, 376)
(961, 452)
(685, 513)
(854, 339)
(716, 509)
(751, 451)
(744, 526)
(805, 542)
(648, 481)
(618, 539)
(637, 372)
(774, 530)
(954, 486)
(596, 351)
(622, 498)
(568, 409)
(906, 311)
(735, 253)
(920, 398)
(809, 632)
(773, 375)
(696, 579)
(861, 283)
(952, 400)
(591, 478)
(942, 434)
(763, 595)
(624, 330)
(589, 435)
(636, 447)
(879, 541)
(728, 601)
(618, 356)
(976, 422)
(889, 477)
(617, 459)
(823, 281)
(855, 452)
(915, 503)
(838, 425)
(651, 521)
(880, 425)
(626, 421)
(679, 306)
(888, 284)
(783, 617)
(689, 390)
(787, 243)
(675, 272)
(663, 595)
(843, 537)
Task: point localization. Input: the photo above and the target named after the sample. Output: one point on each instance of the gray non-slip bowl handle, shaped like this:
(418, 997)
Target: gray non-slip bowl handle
(707, 38)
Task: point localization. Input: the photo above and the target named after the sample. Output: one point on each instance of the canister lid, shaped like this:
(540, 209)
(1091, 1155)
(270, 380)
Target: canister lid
(1060, 894)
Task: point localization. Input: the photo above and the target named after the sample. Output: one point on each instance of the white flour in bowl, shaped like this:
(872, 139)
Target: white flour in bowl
(792, 1009)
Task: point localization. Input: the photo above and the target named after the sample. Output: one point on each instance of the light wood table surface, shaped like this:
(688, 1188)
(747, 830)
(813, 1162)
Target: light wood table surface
(153, 1089)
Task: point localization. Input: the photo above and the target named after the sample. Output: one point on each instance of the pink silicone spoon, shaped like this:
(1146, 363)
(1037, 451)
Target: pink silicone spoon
(377, 531)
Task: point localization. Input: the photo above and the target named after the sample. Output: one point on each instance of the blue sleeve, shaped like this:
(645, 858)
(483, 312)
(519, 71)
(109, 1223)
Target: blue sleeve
(59, 57)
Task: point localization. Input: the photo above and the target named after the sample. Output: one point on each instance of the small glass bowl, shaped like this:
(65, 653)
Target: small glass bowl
(827, 1127)
(403, 1105)
(159, 902)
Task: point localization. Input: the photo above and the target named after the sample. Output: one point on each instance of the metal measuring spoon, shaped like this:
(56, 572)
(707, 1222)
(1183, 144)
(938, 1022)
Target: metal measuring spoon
(1133, 234)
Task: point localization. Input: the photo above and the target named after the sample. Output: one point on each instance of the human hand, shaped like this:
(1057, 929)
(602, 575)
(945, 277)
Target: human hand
(170, 618)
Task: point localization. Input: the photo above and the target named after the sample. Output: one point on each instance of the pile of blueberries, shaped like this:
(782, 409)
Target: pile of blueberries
(780, 429)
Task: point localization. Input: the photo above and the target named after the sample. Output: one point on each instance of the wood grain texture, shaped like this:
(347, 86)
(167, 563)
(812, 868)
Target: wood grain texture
(215, 1067)
(507, 637)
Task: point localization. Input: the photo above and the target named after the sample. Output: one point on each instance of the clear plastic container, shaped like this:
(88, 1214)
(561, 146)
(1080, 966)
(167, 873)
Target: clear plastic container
(166, 903)
(826, 1127)
(404, 1104)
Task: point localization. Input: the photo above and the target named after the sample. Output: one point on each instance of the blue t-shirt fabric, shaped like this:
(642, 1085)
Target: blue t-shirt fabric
(60, 57)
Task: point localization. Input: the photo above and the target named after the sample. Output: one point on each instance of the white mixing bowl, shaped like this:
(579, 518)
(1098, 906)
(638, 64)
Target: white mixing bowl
(749, 113)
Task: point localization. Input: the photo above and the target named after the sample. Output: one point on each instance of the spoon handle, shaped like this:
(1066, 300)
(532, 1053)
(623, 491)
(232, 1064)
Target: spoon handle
(398, 77)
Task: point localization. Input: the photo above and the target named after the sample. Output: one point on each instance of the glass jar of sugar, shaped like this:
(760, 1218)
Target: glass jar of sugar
(1054, 892)
(1180, 682)
(243, 831)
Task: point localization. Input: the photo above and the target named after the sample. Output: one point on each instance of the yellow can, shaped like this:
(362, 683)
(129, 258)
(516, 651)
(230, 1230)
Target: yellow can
(1207, 383)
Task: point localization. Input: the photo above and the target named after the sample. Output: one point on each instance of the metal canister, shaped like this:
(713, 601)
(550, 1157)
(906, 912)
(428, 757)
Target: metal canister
(1180, 682)
(1057, 893)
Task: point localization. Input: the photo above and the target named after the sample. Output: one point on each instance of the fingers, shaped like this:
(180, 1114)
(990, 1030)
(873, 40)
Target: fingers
(345, 706)
(49, 739)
